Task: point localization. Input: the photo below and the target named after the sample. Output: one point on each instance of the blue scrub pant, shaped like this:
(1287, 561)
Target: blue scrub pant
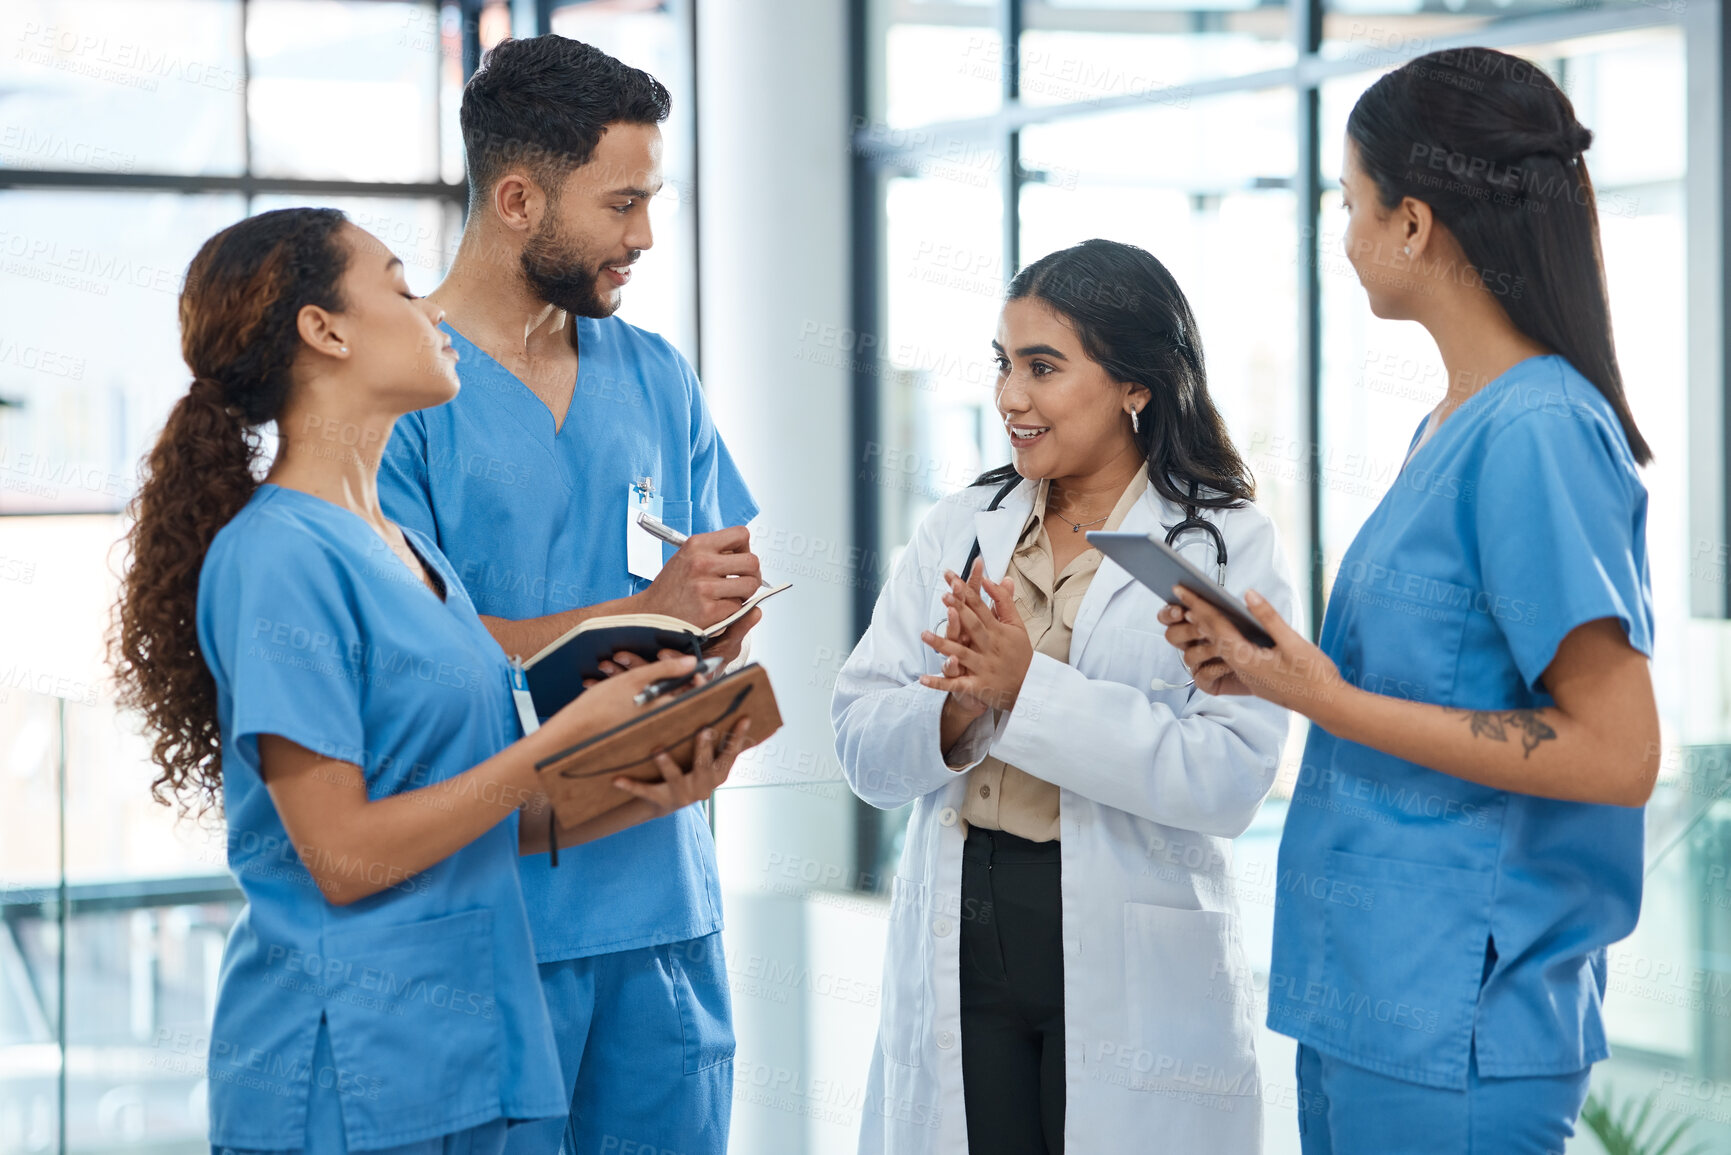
(646, 1045)
(1347, 1110)
(325, 1124)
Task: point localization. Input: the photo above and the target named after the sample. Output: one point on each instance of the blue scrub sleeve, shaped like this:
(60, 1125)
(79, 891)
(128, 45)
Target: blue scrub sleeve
(1561, 534)
(719, 497)
(404, 490)
(299, 655)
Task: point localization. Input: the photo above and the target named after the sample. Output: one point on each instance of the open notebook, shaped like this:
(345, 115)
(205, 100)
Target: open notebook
(556, 673)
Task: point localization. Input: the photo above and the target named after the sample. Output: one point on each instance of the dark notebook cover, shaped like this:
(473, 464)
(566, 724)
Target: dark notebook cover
(557, 677)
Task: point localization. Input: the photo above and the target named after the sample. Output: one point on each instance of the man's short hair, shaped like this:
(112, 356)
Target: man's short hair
(542, 104)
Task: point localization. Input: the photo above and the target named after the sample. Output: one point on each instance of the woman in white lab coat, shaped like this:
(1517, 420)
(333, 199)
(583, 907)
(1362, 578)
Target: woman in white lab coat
(1064, 966)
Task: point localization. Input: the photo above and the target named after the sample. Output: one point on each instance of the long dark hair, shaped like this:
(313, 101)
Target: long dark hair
(238, 332)
(1491, 144)
(1135, 323)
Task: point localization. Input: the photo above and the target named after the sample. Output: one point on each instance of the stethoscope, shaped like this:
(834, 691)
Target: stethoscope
(1193, 519)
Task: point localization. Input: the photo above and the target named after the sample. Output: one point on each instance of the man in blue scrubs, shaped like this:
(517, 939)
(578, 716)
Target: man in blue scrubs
(569, 421)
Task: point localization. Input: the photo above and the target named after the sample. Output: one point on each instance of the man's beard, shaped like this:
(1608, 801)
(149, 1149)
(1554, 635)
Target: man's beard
(561, 275)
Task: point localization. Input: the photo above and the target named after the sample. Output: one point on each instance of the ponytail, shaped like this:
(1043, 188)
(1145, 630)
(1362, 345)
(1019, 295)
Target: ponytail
(239, 331)
(198, 476)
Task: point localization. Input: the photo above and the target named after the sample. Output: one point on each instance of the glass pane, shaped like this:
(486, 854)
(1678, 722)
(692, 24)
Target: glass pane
(450, 41)
(805, 944)
(1206, 189)
(424, 233)
(936, 72)
(142, 959)
(90, 84)
(663, 293)
(83, 410)
(345, 89)
(140, 988)
(1085, 52)
(54, 615)
(944, 281)
(1371, 30)
(1218, 145)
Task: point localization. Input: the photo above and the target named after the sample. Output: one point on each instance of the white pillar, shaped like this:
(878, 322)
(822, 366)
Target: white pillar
(773, 203)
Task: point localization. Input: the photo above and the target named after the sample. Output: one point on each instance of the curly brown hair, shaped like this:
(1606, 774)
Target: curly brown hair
(239, 316)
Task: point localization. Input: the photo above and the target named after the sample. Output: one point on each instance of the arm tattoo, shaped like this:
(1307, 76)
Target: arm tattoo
(1497, 725)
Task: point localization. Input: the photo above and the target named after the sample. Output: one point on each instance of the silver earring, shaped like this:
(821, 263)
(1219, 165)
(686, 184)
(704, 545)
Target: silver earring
(1135, 422)
(1407, 249)
(345, 348)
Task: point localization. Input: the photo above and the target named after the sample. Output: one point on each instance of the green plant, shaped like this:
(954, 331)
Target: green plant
(1624, 1129)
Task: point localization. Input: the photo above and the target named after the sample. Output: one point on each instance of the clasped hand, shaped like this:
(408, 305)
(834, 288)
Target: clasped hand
(986, 649)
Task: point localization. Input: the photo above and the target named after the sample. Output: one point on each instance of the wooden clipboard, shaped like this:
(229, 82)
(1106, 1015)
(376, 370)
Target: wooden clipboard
(578, 780)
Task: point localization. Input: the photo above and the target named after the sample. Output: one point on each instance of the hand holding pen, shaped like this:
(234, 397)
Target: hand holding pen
(705, 581)
(661, 531)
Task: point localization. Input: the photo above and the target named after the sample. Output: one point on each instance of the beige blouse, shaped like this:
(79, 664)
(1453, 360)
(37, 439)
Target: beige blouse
(999, 796)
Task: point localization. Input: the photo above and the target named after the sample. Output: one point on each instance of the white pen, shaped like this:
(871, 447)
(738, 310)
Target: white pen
(661, 531)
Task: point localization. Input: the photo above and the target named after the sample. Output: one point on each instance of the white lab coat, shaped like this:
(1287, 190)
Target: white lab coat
(1154, 785)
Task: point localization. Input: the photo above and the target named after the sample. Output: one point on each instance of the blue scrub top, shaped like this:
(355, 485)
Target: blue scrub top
(1520, 519)
(316, 631)
(534, 522)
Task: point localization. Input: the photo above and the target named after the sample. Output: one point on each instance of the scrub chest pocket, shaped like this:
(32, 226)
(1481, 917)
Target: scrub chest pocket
(1406, 629)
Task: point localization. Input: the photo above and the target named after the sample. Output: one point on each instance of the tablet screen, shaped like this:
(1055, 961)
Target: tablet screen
(1160, 567)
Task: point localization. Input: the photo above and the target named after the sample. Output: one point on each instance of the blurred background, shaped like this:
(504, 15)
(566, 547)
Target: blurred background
(849, 184)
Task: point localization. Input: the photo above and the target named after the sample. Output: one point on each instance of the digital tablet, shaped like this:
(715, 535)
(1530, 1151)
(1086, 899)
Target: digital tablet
(1160, 567)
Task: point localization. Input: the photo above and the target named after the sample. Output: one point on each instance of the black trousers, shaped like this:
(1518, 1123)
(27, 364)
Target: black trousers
(1012, 970)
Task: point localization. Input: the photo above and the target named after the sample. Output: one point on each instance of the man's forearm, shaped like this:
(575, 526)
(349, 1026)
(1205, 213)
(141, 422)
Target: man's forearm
(523, 639)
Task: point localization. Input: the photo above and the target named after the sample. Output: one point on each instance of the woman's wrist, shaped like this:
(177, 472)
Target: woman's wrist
(954, 711)
(1335, 706)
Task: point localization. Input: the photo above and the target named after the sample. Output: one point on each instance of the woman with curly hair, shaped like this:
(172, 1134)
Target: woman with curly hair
(320, 674)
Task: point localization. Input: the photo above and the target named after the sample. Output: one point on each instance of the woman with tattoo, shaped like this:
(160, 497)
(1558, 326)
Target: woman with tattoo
(1465, 833)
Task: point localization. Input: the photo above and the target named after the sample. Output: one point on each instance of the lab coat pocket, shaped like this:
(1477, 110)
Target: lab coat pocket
(905, 1022)
(1187, 1002)
(1138, 658)
(1405, 949)
(414, 1028)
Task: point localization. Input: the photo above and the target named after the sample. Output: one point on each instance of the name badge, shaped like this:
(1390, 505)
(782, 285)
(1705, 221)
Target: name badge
(525, 701)
(642, 550)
